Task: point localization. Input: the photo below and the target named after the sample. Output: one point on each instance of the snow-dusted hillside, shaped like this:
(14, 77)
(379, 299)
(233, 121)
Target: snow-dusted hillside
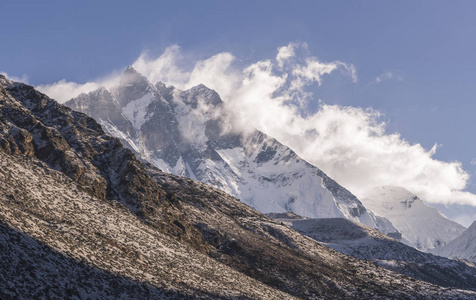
(422, 226)
(187, 133)
(365, 243)
(464, 246)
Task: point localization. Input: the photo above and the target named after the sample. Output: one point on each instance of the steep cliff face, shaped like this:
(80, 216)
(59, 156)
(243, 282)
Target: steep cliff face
(73, 143)
(189, 133)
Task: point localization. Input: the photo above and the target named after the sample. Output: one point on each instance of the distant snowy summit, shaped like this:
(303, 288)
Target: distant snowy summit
(464, 246)
(422, 226)
(189, 133)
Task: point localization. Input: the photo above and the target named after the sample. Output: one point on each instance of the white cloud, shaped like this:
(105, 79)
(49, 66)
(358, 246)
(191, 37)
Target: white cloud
(286, 52)
(64, 90)
(473, 161)
(350, 144)
(164, 68)
(217, 72)
(388, 75)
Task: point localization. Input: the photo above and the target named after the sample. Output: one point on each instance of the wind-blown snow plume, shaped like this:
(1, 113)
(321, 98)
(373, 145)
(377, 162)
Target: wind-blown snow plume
(350, 144)
(64, 90)
(23, 78)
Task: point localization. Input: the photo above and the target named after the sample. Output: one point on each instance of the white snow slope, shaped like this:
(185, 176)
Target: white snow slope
(464, 246)
(422, 226)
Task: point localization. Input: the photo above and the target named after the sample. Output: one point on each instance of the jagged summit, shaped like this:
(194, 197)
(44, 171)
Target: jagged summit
(130, 69)
(188, 133)
(132, 86)
(202, 93)
(132, 74)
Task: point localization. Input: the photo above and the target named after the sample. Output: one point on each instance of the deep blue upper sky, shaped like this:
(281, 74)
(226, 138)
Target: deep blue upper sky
(429, 45)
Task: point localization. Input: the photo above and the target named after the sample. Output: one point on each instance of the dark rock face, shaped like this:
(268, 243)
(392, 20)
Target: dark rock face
(104, 107)
(73, 143)
(132, 86)
(168, 139)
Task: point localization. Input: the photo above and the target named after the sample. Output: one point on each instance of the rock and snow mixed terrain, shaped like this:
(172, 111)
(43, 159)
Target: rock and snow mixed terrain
(368, 244)
(464, 246)
(81, 218)
(421, 226)
(188, 133)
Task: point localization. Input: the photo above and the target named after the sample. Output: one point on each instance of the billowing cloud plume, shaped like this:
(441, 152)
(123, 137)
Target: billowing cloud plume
(64, 90)
(350, 144)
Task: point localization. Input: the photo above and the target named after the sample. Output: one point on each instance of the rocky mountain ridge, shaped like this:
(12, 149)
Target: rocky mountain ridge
(368, 244)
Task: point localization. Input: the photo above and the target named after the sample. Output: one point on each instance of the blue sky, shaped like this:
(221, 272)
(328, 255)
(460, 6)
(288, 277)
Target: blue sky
(421, 51)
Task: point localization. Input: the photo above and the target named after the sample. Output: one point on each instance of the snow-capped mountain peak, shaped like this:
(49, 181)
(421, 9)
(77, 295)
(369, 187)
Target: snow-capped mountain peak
(422, 226)
(182, 132)
(132, 86)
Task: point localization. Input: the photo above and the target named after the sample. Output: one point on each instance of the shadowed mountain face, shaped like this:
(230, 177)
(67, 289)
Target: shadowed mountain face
(73, 198)
(189, 133)
(368, 244)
